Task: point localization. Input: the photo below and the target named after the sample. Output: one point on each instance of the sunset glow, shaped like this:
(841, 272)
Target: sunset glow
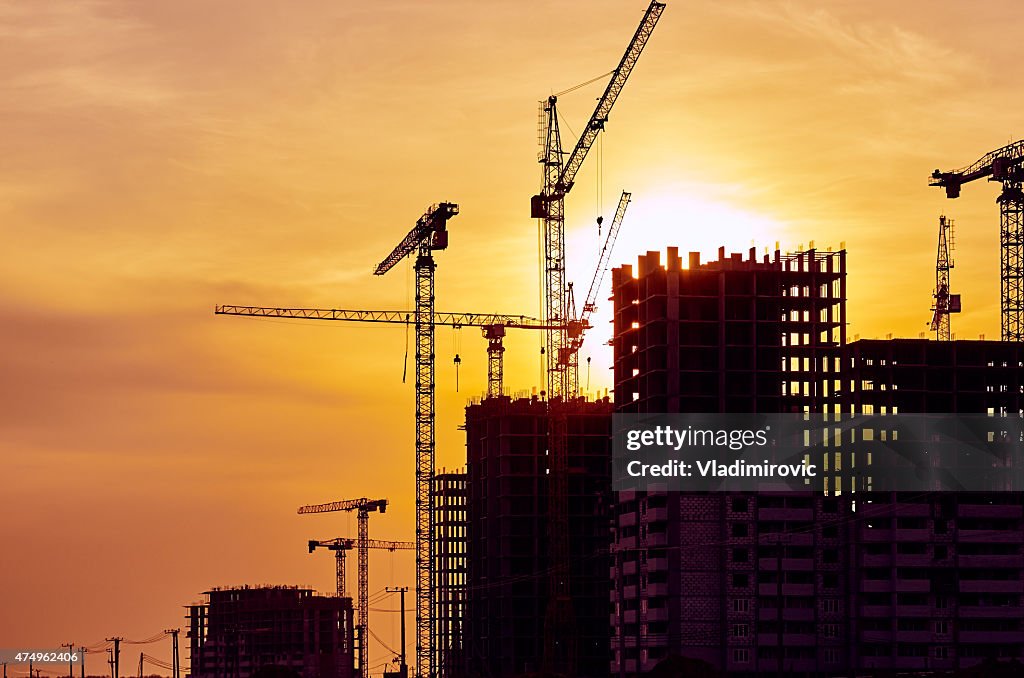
(163, 157)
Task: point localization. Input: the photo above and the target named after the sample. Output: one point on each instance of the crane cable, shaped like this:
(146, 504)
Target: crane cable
(600, 182)
(405, 360)
(583, 84)
(456, 346)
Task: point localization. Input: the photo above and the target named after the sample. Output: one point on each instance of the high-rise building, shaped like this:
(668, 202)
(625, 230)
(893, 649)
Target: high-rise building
(938, 580)
(448, 523)
(238, 631)
(508, 583)
(745, 582)
(795, 582)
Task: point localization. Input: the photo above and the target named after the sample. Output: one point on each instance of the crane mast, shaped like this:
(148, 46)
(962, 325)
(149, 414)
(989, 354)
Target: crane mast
(1005, 165)
(549, 206)
(363, 508)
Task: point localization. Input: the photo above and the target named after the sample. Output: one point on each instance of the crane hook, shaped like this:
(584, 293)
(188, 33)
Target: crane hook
(457, 362)
(600, 220)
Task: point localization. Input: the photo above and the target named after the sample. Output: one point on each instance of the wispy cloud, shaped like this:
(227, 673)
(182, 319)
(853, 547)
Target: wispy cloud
(877, 52)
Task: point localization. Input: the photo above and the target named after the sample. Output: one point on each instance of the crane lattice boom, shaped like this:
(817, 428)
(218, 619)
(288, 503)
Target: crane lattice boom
(429, 231)
(403, 317)
(492, 324)
(605, 257)
(347, 505)
(610, 96)
(348, 543)
(998, 164)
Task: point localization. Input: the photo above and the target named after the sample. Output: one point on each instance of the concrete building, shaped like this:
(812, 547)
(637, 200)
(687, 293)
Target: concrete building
(238, 631)
(938, 579)
(746, 582)
(765, 584)
(506, 441)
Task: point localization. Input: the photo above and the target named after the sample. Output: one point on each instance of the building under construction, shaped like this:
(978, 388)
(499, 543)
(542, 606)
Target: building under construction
(733, 335)
(507, 590)
(771, 583)
(745, 582)
(938, 580)
(239, 631)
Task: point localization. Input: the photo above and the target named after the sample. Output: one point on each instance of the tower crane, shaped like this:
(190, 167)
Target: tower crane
(558, 178)
(429, 234)
(363, 507)
(492, 325)
(945, 303)
(342, 545)
(1005, 165)
(549, 205)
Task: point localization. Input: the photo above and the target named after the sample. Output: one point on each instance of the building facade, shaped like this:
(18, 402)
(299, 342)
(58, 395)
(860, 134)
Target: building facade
(448, 523)
(938, 577)
(508, 565)
(749, 583)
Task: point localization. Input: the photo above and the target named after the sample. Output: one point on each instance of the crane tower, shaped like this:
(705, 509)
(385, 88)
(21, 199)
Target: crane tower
(1003, 165)
(340, 545)
(945, 303)
(548, 206)
(363, 508)
(558, 177)
(429, 234)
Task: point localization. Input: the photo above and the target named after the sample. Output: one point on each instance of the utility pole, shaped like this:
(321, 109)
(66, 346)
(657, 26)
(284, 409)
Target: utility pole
(71, 660)
(81, 658)
(110, 661)
(403, 667)
(175, 666)
(116, 662)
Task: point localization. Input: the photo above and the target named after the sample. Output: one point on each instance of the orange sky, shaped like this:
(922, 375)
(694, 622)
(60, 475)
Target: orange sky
(161, 157)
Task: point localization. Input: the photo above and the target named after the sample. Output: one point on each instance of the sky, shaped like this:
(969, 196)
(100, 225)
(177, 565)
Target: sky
(159, 158)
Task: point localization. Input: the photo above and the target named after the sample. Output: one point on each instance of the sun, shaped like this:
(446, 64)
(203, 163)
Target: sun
(692, 218)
